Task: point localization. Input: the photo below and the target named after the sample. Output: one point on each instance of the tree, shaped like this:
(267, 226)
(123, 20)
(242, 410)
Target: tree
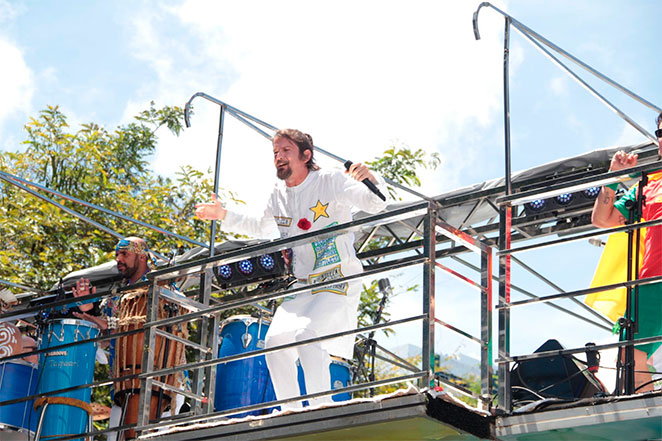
(110, 169)
(400, 165)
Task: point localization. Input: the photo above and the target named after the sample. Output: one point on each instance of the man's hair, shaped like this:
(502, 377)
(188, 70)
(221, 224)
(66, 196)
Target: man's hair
(302, 140)
(659, 119)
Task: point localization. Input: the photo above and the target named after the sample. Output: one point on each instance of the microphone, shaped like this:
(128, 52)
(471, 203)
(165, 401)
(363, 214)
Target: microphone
(368, 183)
(384, 285)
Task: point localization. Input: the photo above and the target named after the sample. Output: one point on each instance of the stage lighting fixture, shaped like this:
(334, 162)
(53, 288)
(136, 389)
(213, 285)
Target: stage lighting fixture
(253, 270)
(537, 205)
(267, 262)
(225, 272)
(564, 199)
(591, 192)
(246, 267)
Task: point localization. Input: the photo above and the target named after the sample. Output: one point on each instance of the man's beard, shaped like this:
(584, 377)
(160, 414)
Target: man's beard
(127, 272)
(283, 172)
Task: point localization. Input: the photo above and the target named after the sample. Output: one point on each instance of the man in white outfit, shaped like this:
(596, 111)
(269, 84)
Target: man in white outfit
(309, 199)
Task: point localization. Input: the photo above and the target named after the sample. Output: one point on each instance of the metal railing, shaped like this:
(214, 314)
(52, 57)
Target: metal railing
(511, 200)
(505, 305)
(203, 311)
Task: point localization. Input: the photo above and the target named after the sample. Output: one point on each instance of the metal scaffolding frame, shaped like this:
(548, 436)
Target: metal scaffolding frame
(420, 243)
(508, 203)
(416, 231)
(417, 236)
(423, 250)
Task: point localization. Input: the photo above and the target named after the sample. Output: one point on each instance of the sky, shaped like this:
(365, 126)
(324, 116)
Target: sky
(359, 77)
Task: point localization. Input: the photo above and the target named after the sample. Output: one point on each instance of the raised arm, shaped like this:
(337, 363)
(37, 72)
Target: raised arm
(84, 288)
(604, 214)
(262, 227)
(212, 210)
(358, 195)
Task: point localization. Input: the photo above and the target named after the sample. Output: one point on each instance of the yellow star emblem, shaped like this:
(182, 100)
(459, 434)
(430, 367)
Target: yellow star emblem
(319, 210)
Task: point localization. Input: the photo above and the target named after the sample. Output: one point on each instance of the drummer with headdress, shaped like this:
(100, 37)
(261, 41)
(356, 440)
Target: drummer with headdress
(133, 263)
(134, 260)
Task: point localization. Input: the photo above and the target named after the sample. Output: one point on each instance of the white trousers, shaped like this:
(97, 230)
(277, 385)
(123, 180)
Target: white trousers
(315, 362)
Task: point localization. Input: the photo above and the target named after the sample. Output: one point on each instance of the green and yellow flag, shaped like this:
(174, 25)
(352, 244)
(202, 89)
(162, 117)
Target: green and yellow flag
(612, 268)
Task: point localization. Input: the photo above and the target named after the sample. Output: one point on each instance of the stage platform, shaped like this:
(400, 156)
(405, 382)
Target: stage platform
(417, 416)
(631, 418)
(433, 416)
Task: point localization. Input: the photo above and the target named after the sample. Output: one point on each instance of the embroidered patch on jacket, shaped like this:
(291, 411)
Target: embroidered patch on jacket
(283, 221)
(332, 274)
(320, 210)
(326, 251)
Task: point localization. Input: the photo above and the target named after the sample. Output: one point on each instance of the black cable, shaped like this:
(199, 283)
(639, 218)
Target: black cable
(646, 383)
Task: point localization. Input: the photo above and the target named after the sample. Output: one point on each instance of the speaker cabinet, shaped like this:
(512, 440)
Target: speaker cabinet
(559, 376)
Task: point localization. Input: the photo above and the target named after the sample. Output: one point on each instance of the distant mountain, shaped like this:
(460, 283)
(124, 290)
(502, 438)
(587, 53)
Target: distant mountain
(457, 364)
(461, 365)
(407, 350)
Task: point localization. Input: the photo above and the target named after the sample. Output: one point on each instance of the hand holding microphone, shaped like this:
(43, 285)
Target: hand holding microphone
(361, 173)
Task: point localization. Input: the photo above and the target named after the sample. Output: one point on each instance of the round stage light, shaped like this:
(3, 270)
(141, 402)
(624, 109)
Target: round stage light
(564, 199)
(225, 272)
(592, 192)
(537, 204)
(267, 262)
(245, 267)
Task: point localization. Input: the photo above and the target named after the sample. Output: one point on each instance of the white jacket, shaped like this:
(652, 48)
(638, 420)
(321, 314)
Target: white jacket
(323, 199)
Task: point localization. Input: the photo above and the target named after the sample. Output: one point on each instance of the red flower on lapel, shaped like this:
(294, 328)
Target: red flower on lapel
(304, 224)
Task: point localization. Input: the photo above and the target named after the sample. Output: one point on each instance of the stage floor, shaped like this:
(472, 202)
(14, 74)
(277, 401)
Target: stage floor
(632, 418)
(410, 417)
(425, 416)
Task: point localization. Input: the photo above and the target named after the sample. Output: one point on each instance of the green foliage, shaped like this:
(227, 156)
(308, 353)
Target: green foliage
(400, 164)
(101, 394)
(41, 243)
(385, 370)
(369, 307)
(371, 297)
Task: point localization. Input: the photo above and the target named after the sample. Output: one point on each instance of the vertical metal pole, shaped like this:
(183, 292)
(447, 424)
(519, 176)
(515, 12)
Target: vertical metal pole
(505, 217)
(209, 337)
(506, 103)
(429, 248)
(504, 314)
(219, 145)
(628, 371)
(631, 307)
(149, 344)
(486, 327)
(204, 380)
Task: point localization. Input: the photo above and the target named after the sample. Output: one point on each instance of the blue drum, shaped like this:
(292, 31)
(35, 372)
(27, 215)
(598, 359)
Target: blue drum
(18, 379)
(243, 382)
(340, 377)
(63, 368)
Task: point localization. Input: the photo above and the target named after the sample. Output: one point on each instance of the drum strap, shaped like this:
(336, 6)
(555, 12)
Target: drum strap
(63, 400)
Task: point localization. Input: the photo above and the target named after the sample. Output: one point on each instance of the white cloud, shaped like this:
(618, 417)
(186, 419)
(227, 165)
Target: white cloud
(559, 85)
(9, 11)
(356, 75)
(16, 82)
